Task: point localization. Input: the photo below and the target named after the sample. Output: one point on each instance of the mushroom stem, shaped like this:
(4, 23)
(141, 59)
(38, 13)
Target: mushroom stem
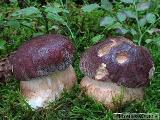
(109, 93)
(40, 91)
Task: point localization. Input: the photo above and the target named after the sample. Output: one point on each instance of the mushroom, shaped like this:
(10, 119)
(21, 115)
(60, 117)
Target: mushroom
(116, 71)
(43, 66)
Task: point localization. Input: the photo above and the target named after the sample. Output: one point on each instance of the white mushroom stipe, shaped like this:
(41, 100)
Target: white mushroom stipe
(110, 94)
(40, 91)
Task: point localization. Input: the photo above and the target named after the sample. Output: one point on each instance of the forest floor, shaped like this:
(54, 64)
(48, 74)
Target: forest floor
(85, 27)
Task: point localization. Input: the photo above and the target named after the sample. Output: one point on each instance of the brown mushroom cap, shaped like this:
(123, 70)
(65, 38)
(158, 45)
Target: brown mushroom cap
(119, 60)
(41, 56)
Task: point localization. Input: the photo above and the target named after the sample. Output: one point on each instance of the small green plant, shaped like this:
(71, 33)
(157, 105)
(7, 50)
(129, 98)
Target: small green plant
(131, 17)
(51, 18)
(32, 15)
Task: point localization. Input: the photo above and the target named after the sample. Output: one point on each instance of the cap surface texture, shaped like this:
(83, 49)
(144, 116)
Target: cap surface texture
(119, 60)
(41, 56)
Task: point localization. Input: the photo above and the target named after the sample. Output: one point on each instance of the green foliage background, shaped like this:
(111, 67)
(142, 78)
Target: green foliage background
(82, 22)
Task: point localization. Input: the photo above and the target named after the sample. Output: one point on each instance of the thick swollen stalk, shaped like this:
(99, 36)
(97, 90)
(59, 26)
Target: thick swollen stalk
(109, 93)
(38, 92)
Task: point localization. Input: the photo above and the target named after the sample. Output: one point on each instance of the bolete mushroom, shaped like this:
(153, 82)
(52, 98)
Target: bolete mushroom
(43, 66)
(116, 71)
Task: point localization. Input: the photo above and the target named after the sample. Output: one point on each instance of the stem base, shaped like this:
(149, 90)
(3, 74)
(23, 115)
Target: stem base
(40, 91)
(110, 94)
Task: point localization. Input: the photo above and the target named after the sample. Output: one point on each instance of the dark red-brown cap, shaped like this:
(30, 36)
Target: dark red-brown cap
(119, 60)
(41, 56)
